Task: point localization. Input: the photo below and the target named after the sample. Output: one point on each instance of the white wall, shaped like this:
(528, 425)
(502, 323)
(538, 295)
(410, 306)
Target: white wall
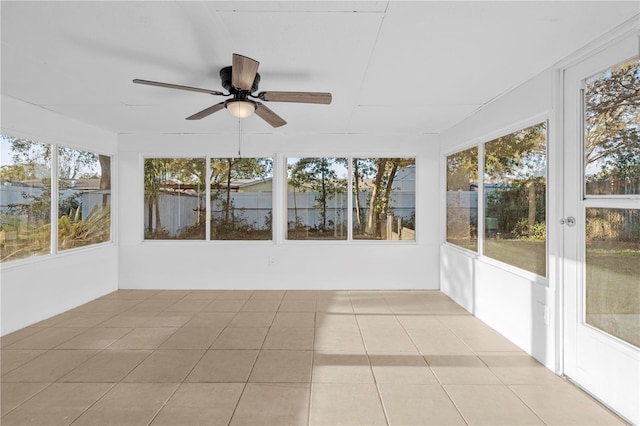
(298, 264)
(517, 304)
(35, 289)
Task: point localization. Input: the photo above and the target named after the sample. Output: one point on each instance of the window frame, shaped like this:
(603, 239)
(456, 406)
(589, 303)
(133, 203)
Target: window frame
(479, 142)
(54, 251)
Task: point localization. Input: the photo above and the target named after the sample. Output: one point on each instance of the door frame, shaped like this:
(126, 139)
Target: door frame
(571, 329)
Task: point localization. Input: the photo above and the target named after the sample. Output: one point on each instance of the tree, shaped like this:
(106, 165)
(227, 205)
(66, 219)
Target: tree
(612, 130)
(318, 175)
(226, 170)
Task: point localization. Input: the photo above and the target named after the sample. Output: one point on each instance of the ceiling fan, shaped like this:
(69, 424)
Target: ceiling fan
(241, 79)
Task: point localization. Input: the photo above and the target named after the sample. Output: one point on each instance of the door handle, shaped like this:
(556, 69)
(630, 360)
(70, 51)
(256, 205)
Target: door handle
(569, 221)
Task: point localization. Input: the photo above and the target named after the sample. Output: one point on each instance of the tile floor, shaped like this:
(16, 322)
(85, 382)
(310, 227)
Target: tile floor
(278, 358)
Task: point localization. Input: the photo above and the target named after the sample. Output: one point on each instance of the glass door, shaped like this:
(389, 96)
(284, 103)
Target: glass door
(601, 232)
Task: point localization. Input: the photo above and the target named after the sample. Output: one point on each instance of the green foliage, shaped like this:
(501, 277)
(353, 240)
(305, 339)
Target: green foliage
(612, 130)
(75, 232)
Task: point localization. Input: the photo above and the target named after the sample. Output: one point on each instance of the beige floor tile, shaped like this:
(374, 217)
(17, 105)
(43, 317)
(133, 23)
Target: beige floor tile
(224, 366)
(47, 338)
(225, 305)
(171, 294)
(106, 366)
(294, 319)
(387, 340)
(187, 306)
(128, 404)
(294, 305)
(196, 404)
(336, 320)
(261, 305)
(334, 306)
(461, 370)
(345, 404)
(424, 322)
(130, 294)
(252, 319)
(58, 404)
(80, 319)
(268, 295)
(102, 306)
(143, 338)
(273, 404)
(282, 367)
(151, 306)
(192, 338)
(234, 295)
(14, 394)
(211, 319)
(167, 319)
(129, 320)
(438, 342)
(240, 338)
(518, 368)
(296, 339)
(401, 368)
(165, 366)
(339, 340)
(203, 295)
(95, 338)
(300, 295)
(11, 338)
(415, 404)
(49, 366)
(377, 321)
(564, 404)
(341, 368)
(490, 405)
(12, 359)
(477, 335)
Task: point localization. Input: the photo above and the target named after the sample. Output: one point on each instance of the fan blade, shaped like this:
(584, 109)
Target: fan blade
(269, 116)
(207, 111)
(300, 97)
(243, 72)
(177, 86)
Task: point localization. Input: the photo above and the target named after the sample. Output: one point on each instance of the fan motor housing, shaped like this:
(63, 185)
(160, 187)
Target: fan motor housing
(225, 76)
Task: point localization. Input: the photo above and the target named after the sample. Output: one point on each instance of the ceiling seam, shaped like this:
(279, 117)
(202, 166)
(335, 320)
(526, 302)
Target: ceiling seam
(366, 71)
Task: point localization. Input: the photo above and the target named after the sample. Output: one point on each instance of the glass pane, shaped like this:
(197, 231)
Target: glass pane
(241, 198)
(316, 198)
(25, 199)
(613, 272)
(174, 198)
(462, 199)
(515, 199)
(384, 198)
(612, 131)
(84, 198)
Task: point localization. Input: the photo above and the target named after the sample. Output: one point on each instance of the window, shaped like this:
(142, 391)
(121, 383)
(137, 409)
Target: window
(316, 198)
(83, 211)
(25, 201)
(174, 197)
(241, 198)
(515, 199)
(383, 198)
(612, 131)
(462, 199)
(612, 268)
(84, 198)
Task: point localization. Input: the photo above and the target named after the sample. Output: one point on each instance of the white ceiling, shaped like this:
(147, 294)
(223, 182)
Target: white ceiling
(393, 66)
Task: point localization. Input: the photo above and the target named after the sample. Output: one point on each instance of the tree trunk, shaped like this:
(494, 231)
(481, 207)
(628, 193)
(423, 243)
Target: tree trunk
(356, 191)
(387, 192)
(158, 224)
(105, 177)
(227, 208)
(532, 207)
(375, 194)
(323, 200)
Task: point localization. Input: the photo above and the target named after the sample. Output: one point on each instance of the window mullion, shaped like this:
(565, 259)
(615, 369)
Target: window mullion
(54, 199)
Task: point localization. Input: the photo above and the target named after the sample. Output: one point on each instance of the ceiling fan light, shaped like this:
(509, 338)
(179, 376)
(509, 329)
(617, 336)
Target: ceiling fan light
(241, 109)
